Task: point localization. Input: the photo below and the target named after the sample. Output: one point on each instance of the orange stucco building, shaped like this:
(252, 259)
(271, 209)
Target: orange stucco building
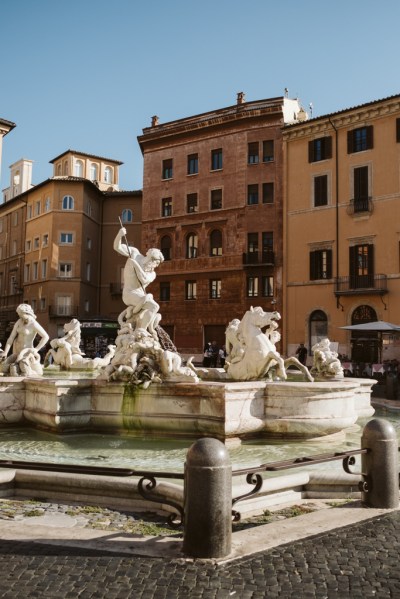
(341, 228)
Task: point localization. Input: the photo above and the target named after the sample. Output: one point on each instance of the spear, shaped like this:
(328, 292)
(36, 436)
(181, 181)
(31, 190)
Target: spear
(128, 247)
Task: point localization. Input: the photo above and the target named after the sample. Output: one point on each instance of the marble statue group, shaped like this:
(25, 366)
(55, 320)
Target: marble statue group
(143, 352)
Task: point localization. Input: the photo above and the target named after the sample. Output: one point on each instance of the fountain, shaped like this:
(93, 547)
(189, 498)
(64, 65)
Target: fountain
(142, 387)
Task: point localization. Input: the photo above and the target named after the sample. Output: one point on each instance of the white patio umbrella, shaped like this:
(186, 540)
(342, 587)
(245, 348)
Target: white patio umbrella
(379, 326)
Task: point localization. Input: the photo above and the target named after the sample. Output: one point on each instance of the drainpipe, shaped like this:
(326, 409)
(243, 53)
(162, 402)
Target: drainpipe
(338, 304)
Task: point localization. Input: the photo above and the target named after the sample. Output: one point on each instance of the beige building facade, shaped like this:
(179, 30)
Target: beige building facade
(341, 230)
(56, 241)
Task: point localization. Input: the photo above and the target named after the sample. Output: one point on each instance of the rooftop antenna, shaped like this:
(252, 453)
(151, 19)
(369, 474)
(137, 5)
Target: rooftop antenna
(286, 92)
(311, 108)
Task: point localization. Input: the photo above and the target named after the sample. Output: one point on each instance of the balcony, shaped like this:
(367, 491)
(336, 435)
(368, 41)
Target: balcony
(264, 258)
(361, 285)
(70, 311)
(360, 205)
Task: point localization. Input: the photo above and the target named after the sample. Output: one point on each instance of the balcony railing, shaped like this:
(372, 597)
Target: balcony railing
(361, 284)
(266, 257)
(363, 204)
(70, 311)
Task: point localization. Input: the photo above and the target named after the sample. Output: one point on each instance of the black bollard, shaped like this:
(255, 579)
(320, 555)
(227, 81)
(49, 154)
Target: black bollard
(208, 500)
(380, 465)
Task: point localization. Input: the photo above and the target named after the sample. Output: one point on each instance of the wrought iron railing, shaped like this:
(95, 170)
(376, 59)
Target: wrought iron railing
(265, 257)
(359, 284)
(361, 204)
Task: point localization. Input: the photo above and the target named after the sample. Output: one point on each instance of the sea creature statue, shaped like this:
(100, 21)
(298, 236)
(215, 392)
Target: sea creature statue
(252, 354)
(25, 358)
(326, 361)
(65, 351)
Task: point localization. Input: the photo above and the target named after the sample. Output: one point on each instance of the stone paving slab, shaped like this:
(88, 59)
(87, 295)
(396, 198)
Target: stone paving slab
(359, 560)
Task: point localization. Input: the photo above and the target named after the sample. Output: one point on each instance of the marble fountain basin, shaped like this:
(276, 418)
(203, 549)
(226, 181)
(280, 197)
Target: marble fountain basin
(224, 410)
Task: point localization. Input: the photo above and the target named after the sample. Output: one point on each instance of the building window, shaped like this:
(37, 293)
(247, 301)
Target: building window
(191, 245)
(360, 139)
(193, 164)
(127, 215)
(64, 305)
(37, 208)
(94, 172)
(320, 264)
(361, 189)
(166, 247)
(191, 290)
(167, 169)
(268, 150)
(65, 269)
(88, 243)
(78, 168)
(68, 203)
(44, 269)
(268, 247)
(108, 174)
(252, 153)
(47, 205)
(28, 245)
(321, 190)
(36, 243)
(398, 130)
(45, 240)
(66, 238)
(361, 266)
(42, 304)
(216, 199)
(252, 243)
(88, 271)
(267, 286)
(252, 286)
(15, 219)
(165, 291)
(320, 149)
(33, 305)
(252, 194)
(65, 168)
(216, 243)
(215, 288)
(35, 274)
(216, 159)
(87, 305)
(191, 202)
(14, 247)
(27, 273)
(318, 327)
(29, 211)
(1, 225)
(166, 207)
(268, 193)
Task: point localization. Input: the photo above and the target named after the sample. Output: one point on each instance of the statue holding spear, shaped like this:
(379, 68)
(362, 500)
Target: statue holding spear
(139, 272)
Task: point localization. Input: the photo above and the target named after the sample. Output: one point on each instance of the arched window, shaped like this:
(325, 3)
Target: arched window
(79, 168)
(192, 243)
(94, 170)
(65, 171)
(68, 203)
(127, 215)
(318, 327)
(166, 247)
(216, 243)
(108, 172)
(363, 314)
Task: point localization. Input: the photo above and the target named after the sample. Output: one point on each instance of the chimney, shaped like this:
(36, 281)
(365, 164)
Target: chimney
(241, 98)
(154, 121)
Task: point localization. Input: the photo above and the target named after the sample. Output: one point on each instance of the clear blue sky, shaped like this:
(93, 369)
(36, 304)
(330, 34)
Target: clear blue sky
(90, 74)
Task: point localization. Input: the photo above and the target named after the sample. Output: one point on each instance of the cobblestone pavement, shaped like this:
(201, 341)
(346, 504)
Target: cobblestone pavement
(360, 560)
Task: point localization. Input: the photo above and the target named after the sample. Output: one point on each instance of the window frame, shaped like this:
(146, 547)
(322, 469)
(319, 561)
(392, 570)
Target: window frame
(217, 159)
(193, 164)
(68, 203)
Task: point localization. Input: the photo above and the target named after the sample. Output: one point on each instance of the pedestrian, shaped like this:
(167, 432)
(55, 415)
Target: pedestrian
(207, 355)
(301, 353)
(214, 354)
(222, 356)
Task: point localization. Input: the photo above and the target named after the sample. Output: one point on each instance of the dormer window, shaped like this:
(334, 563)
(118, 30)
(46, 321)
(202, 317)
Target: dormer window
(108, 178)
(94, 172)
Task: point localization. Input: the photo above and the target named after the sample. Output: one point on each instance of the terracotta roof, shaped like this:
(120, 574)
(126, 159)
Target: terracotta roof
(87, 155)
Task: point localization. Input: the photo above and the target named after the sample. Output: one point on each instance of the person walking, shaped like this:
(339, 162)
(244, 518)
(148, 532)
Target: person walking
(301, 353)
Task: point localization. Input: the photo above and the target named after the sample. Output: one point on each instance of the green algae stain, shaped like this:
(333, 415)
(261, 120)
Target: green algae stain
(130, 419)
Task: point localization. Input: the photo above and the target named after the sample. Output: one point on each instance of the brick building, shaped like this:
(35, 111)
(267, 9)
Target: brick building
(212, 201)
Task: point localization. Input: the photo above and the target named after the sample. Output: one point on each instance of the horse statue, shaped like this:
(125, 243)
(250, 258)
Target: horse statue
(252, 354)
